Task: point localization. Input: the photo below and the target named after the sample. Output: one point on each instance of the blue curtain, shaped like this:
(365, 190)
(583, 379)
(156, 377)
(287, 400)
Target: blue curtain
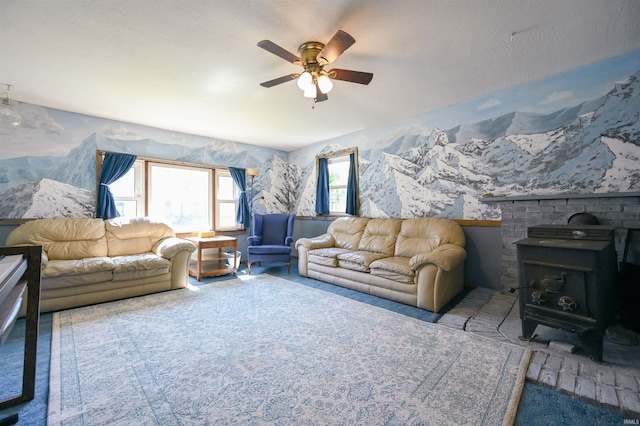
(322, 190)
(352, 187)
(114, 167)
(243, 215)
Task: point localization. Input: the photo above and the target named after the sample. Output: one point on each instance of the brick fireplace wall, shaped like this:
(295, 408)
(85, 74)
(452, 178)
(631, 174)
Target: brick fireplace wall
(518, 213)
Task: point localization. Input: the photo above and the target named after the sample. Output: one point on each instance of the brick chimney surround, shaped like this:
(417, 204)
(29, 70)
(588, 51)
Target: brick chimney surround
(621, 210)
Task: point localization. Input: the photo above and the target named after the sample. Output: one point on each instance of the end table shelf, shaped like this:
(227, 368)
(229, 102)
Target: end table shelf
(217, 263)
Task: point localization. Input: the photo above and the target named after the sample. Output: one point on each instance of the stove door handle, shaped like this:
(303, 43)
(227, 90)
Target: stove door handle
(553, 284)
(513, 289)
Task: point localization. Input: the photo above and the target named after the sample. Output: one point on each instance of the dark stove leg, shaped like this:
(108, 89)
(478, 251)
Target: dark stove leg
(592, 343)
(10, 420)
(528, 327)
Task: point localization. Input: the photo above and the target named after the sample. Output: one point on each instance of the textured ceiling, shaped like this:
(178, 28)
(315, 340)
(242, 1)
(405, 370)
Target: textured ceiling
(194, 67)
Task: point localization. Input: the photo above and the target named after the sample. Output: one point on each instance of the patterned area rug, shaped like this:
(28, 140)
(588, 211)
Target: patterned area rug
(264, 350)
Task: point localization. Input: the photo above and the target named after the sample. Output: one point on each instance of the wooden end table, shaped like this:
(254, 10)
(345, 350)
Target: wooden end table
(216, 264)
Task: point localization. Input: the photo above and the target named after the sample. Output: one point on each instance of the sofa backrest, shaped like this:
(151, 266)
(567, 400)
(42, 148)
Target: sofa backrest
(63, 238)
(380, 235)
(422, 235)
(134, 236)
(347, 231)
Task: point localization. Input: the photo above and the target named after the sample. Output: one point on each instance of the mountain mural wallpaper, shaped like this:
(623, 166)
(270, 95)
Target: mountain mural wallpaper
(573, 133)
(576, 132)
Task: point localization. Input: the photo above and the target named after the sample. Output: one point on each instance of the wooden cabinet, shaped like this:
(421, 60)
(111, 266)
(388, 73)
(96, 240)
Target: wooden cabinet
(12, 288)
(19, 271)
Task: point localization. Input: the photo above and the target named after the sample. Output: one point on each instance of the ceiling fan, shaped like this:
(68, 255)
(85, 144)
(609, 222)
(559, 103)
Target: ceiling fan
(315, 81)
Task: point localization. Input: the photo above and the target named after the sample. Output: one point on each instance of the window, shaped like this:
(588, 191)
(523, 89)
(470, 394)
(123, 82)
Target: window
(227, 194)
(339, 164)
(338, 179)
(130, 191)
(180, 196)
(185, 197)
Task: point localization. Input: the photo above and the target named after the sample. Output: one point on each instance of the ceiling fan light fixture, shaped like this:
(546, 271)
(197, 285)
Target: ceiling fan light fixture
(310, 92)
(305, 81)
(325, 84)
(8, 115)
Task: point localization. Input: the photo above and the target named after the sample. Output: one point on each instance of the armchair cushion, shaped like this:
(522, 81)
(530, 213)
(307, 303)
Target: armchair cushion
(272, 249)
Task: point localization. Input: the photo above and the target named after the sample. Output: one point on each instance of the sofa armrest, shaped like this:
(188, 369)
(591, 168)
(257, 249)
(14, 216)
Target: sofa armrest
(321, 241)
(169, 247)
(446, 257)
(44, 259)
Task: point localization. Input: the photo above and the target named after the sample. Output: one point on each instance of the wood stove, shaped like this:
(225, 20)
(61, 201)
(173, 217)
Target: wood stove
(567, 279)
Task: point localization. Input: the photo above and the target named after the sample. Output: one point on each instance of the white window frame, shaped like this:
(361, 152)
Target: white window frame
(338, 157)
(334, 186)
(139, 196)
(220, 173)
(143, 189)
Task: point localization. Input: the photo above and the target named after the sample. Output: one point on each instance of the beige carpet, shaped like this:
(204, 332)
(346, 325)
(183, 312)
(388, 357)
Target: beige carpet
(265, 350)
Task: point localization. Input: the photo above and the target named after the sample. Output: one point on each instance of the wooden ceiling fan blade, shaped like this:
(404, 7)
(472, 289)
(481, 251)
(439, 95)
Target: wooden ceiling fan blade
(279, 80)
(320, 96)
(340, 42)
(351, 76)
(270, 46)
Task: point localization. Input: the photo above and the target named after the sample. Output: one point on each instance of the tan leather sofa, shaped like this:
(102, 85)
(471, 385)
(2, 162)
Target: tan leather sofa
(419, 262)
(87, 261)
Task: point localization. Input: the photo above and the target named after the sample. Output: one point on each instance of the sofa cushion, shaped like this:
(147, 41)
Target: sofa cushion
(63, 238)
(139, 266)
(358, 260)
(71, 273)
(326, 256)
(422, 235)
(74, 281)
(347, 231)
(87, 265)
(326, 261)
(380, 236)
(393, 268)
(133, 236)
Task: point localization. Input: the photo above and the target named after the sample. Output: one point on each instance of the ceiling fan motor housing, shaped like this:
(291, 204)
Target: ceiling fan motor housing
(309, 51)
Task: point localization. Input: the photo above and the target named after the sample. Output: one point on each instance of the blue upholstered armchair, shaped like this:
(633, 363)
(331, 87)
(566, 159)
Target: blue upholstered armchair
(270, 240)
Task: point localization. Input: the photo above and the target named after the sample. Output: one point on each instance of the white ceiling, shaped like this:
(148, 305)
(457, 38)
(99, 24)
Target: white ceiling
(193, 65)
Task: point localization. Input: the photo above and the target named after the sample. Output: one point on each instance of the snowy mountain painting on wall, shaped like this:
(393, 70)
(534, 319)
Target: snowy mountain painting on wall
(440, 164)
(593, 147)
(64, 186)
